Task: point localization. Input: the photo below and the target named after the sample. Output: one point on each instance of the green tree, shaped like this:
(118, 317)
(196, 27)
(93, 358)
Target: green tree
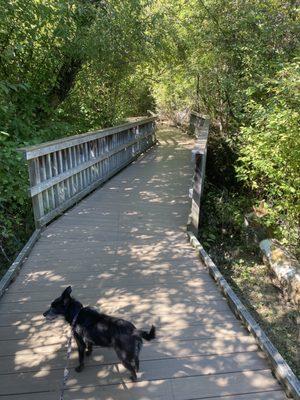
(269, 160)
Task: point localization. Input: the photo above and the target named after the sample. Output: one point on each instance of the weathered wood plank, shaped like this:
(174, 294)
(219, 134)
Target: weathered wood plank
(223, 385)
(34, 179)
(206, 386)
(127, 305)
(155, 310)
(42, 360)
(153, 351)
(157, 390)
(151, 370)
(28, 321)
(94, 296)
(117, 283)
(176, 330)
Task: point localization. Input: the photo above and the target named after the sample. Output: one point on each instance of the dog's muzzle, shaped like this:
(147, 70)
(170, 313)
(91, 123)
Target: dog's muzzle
(49, 315)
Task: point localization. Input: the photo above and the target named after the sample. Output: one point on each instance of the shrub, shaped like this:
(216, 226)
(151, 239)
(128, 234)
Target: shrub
(269, 160)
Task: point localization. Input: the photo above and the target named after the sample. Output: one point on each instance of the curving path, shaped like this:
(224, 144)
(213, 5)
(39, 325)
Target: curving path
(124, 249)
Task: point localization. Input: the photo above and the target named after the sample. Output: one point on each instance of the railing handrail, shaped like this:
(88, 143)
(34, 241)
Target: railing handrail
(203, 116)
(37, 150)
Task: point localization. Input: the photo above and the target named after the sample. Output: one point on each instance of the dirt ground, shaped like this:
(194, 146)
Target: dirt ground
(251, 280)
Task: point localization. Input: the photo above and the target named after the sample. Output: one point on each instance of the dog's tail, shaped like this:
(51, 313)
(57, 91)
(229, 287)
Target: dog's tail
(149, 335)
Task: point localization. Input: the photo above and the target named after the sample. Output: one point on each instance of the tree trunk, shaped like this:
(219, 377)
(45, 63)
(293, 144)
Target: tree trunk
(64, 82)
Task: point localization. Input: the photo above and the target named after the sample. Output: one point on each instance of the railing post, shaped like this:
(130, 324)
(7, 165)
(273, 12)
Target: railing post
(37, 201)
(200, 127)
(196, 197)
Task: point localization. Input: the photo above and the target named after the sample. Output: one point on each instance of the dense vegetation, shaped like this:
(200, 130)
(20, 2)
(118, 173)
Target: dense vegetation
(71, 65)
(65, 67)
(238, 62)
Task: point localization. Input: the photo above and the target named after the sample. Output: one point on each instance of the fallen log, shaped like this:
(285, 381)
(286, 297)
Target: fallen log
(285, 268)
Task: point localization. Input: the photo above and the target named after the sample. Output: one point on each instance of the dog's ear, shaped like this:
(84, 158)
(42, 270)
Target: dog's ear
(66, 293)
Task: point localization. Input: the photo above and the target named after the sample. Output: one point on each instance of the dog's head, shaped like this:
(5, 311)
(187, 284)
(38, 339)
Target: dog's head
(59, 306)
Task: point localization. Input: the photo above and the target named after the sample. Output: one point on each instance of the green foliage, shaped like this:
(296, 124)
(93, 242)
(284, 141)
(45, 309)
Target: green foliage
(15, 208)
(269, 159)
(65, 67)
(221, 49)
(223, 213)
(236, 61)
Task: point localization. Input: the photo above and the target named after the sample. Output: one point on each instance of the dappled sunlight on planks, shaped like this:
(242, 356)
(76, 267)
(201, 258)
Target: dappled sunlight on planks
(124, 250)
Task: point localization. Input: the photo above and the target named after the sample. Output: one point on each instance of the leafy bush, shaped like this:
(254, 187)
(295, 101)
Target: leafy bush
(269, 160)
(235, 61)
(223, 217)
(65, 67)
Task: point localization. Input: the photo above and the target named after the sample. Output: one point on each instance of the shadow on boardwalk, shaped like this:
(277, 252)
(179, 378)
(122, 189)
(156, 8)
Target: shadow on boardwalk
(124, 249)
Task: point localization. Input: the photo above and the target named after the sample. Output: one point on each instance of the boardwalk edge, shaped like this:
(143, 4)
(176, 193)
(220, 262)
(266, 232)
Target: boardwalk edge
(280, 368)
(15, 267)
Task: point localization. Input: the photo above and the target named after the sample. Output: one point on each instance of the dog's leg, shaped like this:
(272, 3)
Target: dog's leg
(81, 350)
(126, 362)
(138, 346)
(137, 363)
(131, 369)
(89, 349)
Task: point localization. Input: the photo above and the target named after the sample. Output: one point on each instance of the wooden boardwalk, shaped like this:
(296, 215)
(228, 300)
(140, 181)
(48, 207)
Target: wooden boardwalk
(124, 249)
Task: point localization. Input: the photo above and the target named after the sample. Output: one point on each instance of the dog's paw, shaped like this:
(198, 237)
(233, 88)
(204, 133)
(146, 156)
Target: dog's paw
(79, 368)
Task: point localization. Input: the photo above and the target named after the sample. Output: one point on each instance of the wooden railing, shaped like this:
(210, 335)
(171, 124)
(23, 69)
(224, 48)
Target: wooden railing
(63, 171)
(199, 126)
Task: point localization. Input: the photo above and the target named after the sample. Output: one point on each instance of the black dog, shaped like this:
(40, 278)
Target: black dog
(93, 328)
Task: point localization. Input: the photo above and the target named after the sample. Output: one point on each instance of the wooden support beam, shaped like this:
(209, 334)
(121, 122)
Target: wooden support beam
(200, 127)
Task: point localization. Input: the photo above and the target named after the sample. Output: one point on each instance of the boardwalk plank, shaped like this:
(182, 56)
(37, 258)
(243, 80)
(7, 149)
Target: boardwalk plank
(151, 392)
(56, 284)
(159, 349)
(177, 330)
(152, 370)
(140, 305)
(94, 297)
(207, 387)
(19, 319)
